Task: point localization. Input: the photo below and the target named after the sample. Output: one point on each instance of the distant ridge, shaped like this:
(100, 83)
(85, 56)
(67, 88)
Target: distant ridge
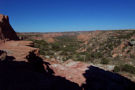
(73, 31)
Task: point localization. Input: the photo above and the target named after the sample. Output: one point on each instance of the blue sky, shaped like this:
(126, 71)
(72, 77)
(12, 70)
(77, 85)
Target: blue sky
(69, 15)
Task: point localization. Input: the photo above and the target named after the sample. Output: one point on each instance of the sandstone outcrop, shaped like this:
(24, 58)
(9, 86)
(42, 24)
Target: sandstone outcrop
(6, 30)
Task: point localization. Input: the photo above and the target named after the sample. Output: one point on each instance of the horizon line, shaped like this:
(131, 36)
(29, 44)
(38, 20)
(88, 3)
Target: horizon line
(77, 31)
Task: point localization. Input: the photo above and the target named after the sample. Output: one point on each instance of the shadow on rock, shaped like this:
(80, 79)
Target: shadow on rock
(98, 79)
(38, 64)
(31, 75)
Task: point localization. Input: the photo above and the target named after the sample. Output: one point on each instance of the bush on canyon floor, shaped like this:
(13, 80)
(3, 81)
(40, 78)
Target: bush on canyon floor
(126, 68)
(104, 61)
(64, 46)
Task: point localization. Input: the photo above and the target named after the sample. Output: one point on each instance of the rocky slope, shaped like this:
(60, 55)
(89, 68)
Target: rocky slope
(110, 44)
(94, 44)
(6, 30)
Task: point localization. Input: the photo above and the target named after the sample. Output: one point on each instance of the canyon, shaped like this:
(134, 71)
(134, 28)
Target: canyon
(22, 67)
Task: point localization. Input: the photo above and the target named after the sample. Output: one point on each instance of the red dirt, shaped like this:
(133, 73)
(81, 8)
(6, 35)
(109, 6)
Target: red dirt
(18, 49)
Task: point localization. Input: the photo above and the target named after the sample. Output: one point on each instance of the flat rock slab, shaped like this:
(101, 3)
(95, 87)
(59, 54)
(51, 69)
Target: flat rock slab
(18, 49)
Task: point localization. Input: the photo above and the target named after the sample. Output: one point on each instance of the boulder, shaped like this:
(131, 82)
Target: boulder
(3, 55)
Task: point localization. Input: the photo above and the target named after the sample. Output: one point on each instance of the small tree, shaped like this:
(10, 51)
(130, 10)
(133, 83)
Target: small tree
(104, 61)
(117, 69)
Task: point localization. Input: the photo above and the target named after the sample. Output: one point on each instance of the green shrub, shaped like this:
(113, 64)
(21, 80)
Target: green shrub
(56, 46)
(104, 61)
(129, 68)
(41, 52)
(126, 68)
(96, 55)
(80, 58)
(117, 69)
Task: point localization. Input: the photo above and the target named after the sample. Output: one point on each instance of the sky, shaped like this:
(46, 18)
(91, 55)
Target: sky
(69, 15)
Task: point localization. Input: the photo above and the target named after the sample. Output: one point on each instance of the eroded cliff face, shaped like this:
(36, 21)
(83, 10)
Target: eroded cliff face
(6, 30)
